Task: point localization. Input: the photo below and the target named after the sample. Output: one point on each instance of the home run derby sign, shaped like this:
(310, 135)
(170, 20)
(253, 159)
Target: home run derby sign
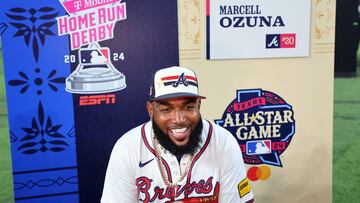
(257, 29)
(77, 74)
(263, 124)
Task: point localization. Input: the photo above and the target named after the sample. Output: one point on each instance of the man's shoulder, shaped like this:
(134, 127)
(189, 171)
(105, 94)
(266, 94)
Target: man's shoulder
(221, 135)
(219, 130)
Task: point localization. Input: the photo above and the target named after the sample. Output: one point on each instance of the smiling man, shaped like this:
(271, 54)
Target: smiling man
(176, 156)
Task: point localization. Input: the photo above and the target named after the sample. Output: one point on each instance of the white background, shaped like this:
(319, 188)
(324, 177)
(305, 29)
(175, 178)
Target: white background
(249, 42)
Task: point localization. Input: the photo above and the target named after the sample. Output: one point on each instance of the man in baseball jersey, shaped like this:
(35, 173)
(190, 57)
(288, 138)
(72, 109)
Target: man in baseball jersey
(176, 156)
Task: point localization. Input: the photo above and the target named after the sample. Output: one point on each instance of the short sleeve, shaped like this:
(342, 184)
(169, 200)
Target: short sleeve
(234, 185)
(119, 186)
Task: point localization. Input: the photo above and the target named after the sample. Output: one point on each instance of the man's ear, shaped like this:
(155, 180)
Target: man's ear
(199, 103)
(150, 109)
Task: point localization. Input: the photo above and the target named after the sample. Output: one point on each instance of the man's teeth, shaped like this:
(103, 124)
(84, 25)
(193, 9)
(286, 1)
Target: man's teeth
(178, 130)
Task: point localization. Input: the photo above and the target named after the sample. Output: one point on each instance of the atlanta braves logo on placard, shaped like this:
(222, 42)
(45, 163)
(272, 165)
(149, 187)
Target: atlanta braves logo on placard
(280, 41)
(263, 124)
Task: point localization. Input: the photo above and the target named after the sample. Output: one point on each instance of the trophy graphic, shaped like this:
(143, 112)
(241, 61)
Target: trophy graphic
(95, 73)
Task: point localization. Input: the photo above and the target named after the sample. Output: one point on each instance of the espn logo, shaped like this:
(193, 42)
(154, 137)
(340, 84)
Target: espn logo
(97, 99)
(280, 41)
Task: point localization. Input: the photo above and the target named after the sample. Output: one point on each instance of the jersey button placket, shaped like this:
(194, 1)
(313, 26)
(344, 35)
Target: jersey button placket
(175, 168)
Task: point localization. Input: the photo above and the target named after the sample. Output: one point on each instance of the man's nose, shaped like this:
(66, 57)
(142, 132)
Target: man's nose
(179, 116)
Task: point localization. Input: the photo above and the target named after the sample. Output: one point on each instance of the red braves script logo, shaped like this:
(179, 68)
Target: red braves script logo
(144, 184)
(97, 99)
(90, 20)
(263, 124)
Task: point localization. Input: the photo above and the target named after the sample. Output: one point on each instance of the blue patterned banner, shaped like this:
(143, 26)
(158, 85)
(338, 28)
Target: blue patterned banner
(41, 119)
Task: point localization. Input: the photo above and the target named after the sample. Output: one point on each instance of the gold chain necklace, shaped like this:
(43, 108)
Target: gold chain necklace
(162, 167)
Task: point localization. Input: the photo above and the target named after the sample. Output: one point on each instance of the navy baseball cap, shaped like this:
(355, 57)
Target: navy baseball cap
(174, 82)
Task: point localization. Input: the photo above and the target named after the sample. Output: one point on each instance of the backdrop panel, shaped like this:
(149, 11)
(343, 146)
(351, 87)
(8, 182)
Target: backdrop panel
(273, 103)
(77, 77)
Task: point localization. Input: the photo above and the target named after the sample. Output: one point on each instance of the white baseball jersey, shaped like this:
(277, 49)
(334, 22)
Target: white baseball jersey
(217, 172)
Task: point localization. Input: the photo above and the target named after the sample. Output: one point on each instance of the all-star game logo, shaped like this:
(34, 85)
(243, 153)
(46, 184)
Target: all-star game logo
(263, 124)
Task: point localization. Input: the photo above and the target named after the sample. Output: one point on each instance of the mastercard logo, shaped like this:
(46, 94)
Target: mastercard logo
(258, 173)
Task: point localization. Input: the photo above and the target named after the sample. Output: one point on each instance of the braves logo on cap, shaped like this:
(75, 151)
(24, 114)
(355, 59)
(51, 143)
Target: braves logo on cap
(183, 79)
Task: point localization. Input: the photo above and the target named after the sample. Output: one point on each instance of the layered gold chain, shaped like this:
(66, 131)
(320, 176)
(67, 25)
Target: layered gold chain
(162, 167)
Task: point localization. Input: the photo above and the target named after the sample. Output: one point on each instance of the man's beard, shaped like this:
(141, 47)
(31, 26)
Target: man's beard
(178, 151)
